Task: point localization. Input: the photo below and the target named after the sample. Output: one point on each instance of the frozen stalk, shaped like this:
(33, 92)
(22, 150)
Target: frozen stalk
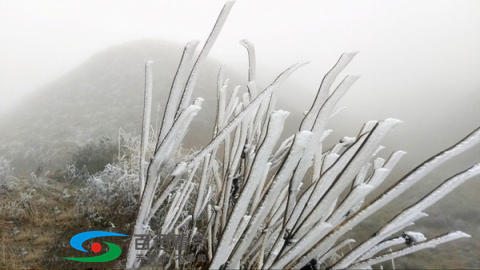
(147, 108)
(409, 215)
(280, 182)
(395, 254)
(275, 129)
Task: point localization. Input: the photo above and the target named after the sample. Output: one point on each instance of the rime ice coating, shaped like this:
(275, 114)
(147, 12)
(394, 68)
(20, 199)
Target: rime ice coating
(247, 194)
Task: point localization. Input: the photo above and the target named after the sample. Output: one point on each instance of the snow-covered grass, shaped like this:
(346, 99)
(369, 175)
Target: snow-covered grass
(6, 177)
(32, 215)
(266, 203)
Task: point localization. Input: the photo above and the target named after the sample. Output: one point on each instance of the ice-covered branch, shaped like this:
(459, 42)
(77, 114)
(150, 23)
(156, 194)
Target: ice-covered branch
(324, 90)
(244, 113)
(176, 91)
(274, 205)
(203, 55)
(410, 249)
(275, 129)
(147, 109)
(252, 66)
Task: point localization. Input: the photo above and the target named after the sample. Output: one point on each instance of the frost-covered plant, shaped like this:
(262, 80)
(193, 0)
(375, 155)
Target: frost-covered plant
(6, 172)
(115, 187)
(95, 155)
(268, 204)
(5, 169)
(73, 174)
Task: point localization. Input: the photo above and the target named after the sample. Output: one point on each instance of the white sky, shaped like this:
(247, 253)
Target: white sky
(414, 55)
(41, 39)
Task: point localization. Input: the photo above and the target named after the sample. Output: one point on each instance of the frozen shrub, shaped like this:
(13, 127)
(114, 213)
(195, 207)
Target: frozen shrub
(5, 169)
(114, 187)
(112, 191)
(95, 155)
(6, 177)
(73, 174)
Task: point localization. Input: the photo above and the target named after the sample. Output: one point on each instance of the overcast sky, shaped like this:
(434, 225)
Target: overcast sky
(419, 60)
(408, 40)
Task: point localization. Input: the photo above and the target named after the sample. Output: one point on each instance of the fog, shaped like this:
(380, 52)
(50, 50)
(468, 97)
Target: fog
(407, 48)
(419, 60)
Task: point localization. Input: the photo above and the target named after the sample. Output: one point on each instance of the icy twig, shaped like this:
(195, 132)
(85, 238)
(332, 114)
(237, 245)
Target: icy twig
(147, 108)
(414, 248)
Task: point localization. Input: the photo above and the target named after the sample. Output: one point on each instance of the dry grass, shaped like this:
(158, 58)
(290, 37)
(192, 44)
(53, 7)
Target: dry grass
(25, 213)
(37, 220)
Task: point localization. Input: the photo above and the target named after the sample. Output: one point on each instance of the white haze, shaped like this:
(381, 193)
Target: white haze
(419, 60)
(402, 44)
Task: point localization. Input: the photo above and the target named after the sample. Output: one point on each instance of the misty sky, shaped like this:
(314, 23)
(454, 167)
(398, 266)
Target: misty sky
(419, 60)
(403, 41)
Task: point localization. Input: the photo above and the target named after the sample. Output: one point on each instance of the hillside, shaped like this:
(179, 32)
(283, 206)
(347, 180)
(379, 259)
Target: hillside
(98, 98)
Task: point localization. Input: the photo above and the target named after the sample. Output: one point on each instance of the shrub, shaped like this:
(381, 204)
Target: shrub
(6, 177)
(95, 155)
(5, 169)
(110, 197)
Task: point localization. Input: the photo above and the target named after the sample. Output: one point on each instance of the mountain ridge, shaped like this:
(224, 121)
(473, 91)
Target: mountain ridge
(100, 96)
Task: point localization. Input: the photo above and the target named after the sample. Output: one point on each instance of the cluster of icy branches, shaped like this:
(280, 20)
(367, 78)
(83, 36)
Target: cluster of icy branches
(265, 203)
